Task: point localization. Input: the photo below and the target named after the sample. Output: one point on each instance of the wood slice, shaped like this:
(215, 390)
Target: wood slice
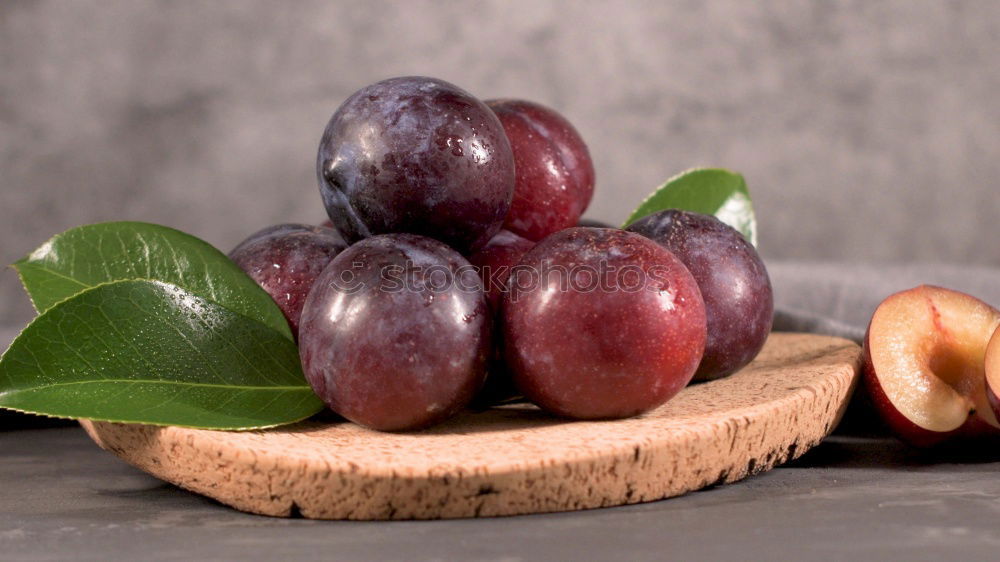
(514, 459)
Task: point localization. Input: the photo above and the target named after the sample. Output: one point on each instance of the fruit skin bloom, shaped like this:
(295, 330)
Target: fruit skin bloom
(611, 349)
(417, 155)
(396, 333)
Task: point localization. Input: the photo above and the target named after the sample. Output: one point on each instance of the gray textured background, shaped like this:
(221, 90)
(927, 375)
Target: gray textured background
(867, 130)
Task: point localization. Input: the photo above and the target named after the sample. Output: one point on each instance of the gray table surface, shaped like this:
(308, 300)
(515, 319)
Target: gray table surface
(850, 498)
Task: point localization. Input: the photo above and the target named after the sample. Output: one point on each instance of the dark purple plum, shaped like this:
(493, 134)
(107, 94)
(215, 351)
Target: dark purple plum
(417, 155)
(494, 261)
(554, 172)
(733, 281)
(285, 260)
(396, 333)
(602, 323)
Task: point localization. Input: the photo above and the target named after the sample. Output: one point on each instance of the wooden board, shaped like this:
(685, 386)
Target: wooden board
(514, 459)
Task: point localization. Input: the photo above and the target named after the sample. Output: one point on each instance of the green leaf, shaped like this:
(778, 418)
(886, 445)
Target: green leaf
(87, 256)
(151, 352)
(710, 191)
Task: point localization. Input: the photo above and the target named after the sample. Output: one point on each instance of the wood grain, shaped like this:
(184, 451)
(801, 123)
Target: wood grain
(514, 459)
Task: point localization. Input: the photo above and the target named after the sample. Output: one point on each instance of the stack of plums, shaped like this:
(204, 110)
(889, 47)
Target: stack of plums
(455, 269)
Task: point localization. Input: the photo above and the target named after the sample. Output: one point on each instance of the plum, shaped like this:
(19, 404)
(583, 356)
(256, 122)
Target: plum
(494, 261)
(554, 172)
(602, 323)
(733, 280)
(926, 366)
(285, 260)
(396, 332)
(418, 155)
